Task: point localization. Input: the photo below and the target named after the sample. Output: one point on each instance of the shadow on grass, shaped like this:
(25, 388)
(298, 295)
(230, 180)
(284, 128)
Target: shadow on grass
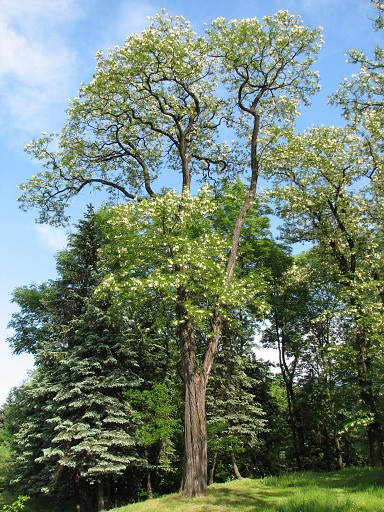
(248, 499)
(306, 492)
(266, 500)
(308, 506)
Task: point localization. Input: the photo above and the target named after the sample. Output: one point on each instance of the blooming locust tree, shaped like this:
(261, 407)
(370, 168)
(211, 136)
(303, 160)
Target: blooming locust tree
(323, 192)
(158, 104)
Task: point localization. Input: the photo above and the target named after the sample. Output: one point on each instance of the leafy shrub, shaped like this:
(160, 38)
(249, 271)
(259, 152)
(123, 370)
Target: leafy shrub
(17, 505)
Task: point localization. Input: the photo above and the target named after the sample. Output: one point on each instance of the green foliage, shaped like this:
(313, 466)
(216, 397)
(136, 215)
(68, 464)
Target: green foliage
(16, 506)
(159, 424)
(170, 242)
(137, 117)
(73, 422)
(5, 456)
(158, 414)
(103, 401)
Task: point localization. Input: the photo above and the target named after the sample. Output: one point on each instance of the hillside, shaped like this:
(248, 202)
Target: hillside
(351, 490)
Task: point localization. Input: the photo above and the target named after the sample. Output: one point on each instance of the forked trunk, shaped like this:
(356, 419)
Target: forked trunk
(213, 469)
(194, 481)
(235, 467)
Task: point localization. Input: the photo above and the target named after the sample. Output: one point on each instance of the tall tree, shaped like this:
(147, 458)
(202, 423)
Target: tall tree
(84, 368)
(321, 192)
(155, 103)
(288, 327)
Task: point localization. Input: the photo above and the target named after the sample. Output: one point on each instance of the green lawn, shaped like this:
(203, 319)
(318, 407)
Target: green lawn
(350, 490)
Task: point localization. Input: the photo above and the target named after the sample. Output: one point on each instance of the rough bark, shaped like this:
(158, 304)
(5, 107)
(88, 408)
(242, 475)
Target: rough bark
(195, 439)
(195, 470)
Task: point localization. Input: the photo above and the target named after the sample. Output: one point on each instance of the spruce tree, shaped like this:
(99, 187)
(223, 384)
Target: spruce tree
(85, 367)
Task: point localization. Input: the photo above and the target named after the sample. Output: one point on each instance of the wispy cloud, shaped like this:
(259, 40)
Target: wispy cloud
(338, 14)
(42, 51)
(51, 237)
(131, 18)
(36, 66)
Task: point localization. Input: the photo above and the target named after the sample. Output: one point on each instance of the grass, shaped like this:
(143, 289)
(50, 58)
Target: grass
(350, 490)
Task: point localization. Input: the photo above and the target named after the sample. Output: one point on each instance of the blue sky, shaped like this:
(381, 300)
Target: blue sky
(47, 50)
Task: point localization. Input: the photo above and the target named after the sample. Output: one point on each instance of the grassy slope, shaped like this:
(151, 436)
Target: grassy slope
(350, 490)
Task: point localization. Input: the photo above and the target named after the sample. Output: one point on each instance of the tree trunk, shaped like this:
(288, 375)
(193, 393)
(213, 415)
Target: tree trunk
(213, 468)
(368, 399)
(100, 496)
(195, 469)
(350, 459)
(375, 445)
(235, 467)
(112, 492)
(77, 493)
(288, 373)
(149, 485)
(194, 481)
(295, 419)
(339, 456)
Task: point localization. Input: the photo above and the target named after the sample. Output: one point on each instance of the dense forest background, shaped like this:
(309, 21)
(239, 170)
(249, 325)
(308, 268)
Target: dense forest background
(100, 421)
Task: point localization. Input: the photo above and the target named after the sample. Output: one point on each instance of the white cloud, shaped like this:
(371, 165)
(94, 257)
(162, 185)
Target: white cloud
(51, 237)
(338, 14)
(42, 52)
(131, 18)
(36, 66)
